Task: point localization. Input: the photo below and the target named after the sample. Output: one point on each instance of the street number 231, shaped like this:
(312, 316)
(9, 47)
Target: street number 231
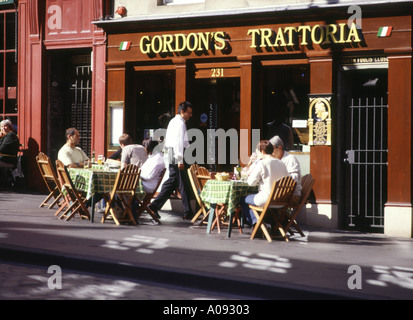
(217, 72)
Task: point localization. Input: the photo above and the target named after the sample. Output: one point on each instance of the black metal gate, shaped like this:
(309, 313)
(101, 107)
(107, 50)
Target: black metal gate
(366, 150)
(81, 108)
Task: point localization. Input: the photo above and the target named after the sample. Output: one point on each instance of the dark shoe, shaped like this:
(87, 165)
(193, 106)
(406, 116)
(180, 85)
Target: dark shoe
(188, 215)
(155, 211)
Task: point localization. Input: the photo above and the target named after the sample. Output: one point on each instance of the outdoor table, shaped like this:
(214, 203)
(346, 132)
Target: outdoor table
(97, 181)
(226, 192)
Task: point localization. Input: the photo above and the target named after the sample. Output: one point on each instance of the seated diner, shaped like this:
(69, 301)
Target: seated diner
(267, 170)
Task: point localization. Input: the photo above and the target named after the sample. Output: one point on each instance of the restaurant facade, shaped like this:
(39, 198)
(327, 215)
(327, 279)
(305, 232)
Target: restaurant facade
(342, 84)
(341, 79)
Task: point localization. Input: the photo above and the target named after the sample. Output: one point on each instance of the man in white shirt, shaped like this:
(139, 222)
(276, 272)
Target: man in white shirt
(176, 141)
(292, 165)
(267, 170)
(71, 155)
(152, 168)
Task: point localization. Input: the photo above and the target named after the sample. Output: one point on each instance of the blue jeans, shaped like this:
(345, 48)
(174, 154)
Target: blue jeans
(246, 211)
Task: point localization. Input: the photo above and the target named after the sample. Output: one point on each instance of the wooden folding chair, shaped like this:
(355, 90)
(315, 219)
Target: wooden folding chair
(50, 179)
(198, 176)
(143, 204)
(77, 200)
(122, 195)
(279, 198)
(292, 212)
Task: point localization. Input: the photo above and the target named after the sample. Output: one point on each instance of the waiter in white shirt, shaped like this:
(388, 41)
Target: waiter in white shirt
(176, 141)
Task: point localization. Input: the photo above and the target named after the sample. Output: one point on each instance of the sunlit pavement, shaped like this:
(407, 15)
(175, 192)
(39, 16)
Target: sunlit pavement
(323, 264)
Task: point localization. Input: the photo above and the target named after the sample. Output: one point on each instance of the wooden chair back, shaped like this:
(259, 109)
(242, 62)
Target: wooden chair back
(307, 183)
(198, 176)
(123, 191)
(143, 204)
(72, 195)
(159, 182)
(127, 180)
(50, 179)
(203, 175)
(281, 192)
(49, 175)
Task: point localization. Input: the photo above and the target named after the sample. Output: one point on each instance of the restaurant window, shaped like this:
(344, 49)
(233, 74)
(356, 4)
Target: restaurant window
(285, 100)
(8, 66)
(153, 96)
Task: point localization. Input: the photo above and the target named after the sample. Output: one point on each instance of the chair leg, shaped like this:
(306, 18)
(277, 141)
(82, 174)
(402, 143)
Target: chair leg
(56, 201)
(278, 225)
(196, 215)
(153, 215)
(238, 219)
(45, 201)
(62, 205)
(260, 224)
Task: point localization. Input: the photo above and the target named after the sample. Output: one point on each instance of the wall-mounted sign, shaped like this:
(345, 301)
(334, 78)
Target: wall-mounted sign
(6, 2)
(319, 122)
(304, 35)
(176, 43)
(166, 45)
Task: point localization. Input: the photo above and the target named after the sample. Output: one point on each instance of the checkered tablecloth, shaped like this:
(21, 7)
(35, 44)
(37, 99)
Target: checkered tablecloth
(97, 181)
(227, 192)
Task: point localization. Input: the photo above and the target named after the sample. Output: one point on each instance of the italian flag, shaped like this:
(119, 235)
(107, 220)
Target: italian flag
(125, 45)
(384, 32)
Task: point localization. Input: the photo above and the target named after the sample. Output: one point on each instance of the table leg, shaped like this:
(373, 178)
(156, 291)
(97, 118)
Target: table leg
(231, 216)
(211, 217)
(93, 202)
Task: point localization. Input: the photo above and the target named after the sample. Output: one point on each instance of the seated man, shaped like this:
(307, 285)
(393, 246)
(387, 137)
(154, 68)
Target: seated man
(9, 145)
(71, 155)
(292, 165)
(152, 168)
(266, 171)
(131, 153)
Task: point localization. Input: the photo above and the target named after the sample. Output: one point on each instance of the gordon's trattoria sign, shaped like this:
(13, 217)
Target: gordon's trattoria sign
(259, 39)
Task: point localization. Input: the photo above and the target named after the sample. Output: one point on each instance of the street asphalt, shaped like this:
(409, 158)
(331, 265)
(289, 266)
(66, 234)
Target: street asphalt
(325, 264)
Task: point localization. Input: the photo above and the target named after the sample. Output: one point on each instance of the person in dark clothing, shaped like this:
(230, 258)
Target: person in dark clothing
(279, 128)
(9, 145)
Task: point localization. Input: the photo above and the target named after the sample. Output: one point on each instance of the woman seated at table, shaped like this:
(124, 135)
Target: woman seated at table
(267, 170)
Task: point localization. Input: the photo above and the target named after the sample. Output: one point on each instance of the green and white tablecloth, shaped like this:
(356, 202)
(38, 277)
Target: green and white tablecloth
(97, 181)
(227, 192)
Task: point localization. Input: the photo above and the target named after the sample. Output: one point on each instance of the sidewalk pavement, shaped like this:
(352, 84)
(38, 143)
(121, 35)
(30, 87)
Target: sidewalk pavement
(325, 264)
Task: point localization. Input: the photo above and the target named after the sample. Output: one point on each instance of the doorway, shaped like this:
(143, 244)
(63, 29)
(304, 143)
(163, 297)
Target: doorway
(362, 152)
(69, 98)
(216, 106)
